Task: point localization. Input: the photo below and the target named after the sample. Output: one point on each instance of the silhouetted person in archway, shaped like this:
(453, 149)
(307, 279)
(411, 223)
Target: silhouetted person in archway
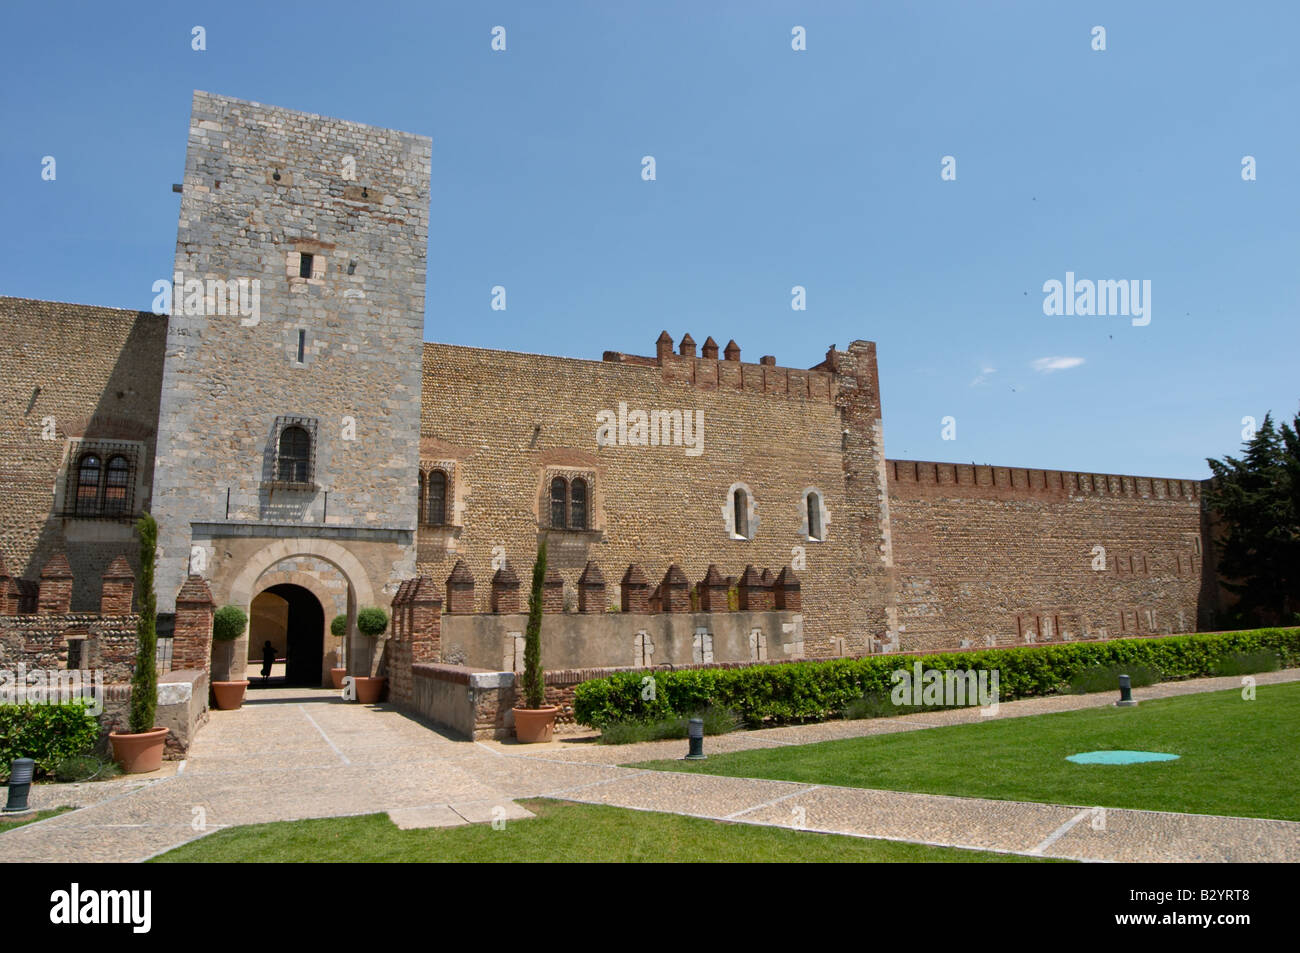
(268, 659)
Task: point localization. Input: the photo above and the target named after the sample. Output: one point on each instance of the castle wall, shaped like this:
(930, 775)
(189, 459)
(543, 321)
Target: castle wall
(325, 224)
(330, 218)
(1000, 556)
(502, 423)
(72, 375)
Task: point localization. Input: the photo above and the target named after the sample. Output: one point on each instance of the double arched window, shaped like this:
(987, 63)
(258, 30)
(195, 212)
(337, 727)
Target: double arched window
(103, 485)
(568, 503)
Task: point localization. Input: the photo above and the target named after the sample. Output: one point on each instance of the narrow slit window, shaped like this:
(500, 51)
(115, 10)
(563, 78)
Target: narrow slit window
(302, 343)
(814, 516)
(740, 514)
(304, 265)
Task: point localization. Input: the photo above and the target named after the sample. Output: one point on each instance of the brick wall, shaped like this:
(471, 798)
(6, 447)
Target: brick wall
(502, 423)
(41, 641)
(998, 555)
(414, 637)
(77, 374)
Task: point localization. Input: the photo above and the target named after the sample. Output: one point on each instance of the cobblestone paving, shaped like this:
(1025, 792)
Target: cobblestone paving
(290, 754)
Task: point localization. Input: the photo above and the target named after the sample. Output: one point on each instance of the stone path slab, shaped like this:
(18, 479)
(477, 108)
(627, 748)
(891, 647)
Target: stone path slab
(1020, 827)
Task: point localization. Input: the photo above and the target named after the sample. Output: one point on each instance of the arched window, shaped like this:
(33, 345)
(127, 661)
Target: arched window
(116, 482)
(814, 502)
(419, 501)
(89, 468)
(578, 503)
(559, 502)
(295, 455)
(740, 514)
(436, 510)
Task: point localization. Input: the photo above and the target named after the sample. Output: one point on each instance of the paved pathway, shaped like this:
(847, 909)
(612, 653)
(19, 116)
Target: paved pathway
(300, 753)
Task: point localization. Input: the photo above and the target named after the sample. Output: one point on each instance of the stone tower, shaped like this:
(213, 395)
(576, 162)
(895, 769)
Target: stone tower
(288, 444)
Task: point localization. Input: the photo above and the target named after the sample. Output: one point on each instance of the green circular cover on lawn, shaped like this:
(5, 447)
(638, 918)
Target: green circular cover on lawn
(1120, 757)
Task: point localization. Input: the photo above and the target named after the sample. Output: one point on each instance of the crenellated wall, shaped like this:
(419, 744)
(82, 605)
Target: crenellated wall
(501, 425)
(1002, 555)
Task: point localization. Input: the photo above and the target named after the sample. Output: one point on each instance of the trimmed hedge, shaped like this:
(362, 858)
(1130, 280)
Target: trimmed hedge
(795, 692)
(48, 734)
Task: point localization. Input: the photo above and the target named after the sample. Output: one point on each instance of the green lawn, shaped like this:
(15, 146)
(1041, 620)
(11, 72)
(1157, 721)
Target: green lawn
(561, 832)
(7, 824)
(1236, 757)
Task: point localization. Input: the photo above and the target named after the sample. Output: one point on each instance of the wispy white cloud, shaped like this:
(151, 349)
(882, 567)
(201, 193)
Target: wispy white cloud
(1045, 365)
(986, 370)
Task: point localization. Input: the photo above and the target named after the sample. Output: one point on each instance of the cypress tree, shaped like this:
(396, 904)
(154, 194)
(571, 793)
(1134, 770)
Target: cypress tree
(534, 680)
(144, 680)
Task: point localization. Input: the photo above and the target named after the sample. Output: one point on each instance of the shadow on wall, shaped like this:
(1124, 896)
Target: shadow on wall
(126, 410)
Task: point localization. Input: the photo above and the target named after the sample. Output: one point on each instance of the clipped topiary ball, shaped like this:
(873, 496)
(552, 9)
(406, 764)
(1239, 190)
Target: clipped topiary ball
(372, 621)
(339, 626)
(228, 623)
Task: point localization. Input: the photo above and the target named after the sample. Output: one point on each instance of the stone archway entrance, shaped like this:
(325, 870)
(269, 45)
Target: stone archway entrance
(292, 619)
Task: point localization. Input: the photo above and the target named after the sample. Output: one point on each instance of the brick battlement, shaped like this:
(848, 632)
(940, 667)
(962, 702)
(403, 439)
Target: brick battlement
(914, 479)
(710, 372)
(52, 595)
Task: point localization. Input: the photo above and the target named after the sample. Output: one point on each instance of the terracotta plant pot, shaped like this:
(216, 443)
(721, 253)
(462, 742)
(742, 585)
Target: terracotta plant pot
(229, 695)
(336, 676)
(368, 689)
(138, 753)
(534, 725)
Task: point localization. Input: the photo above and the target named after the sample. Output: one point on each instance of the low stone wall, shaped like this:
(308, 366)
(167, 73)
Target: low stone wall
(464, 700)
(618, 639)
(182, 707)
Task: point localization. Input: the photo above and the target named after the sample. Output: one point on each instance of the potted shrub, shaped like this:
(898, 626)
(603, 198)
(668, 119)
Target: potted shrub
(227, 626)
(372, 622)
(339, 629)
(140, 750)
(535, 720)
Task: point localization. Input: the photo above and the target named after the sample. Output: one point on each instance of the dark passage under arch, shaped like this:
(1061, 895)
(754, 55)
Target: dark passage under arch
(292, 619)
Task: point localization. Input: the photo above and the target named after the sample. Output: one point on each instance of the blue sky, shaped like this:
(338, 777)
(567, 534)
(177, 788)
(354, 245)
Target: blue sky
(775, 168)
